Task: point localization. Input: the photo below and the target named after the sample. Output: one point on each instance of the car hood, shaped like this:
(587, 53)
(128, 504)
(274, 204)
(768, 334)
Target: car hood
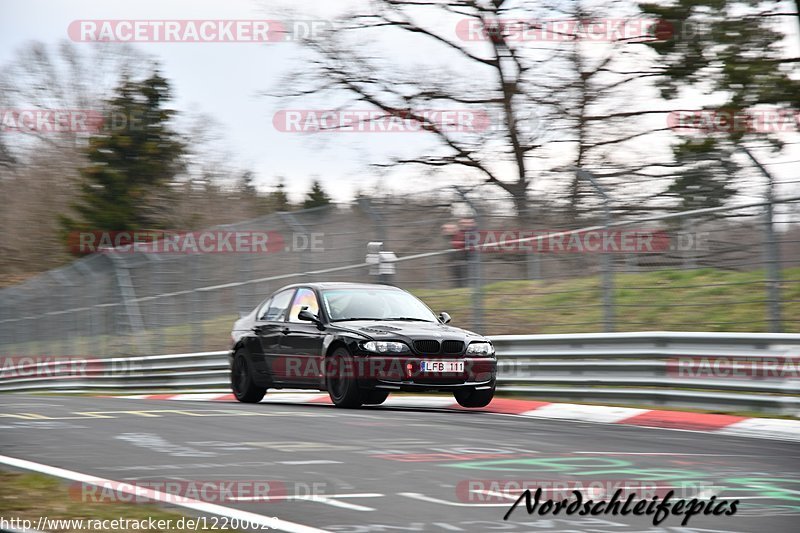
(405, 330)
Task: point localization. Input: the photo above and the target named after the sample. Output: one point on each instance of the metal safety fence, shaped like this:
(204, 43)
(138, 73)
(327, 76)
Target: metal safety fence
(465, 251)
(732, 372)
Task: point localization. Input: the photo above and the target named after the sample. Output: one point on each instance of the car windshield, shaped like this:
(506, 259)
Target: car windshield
(374, 304)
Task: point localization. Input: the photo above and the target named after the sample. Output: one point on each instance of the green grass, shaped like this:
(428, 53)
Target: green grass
(692, 300)
(30, 496)
(679, 300)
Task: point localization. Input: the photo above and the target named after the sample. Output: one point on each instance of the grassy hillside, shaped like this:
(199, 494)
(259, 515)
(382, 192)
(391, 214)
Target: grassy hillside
(695, 300)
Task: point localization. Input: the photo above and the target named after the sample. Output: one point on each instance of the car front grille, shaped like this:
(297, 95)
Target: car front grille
(452, 347)
(427, 346)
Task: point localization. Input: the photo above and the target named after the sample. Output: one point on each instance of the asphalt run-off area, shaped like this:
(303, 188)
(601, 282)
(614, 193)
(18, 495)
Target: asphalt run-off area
(386, 469)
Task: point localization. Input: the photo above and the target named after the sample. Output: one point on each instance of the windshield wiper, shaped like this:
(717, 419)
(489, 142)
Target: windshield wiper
(409, 319)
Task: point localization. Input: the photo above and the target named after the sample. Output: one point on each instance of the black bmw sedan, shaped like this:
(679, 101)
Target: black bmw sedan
(359, 342)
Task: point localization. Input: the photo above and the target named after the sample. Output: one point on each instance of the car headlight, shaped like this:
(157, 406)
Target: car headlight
(480, 348)
(385, 347)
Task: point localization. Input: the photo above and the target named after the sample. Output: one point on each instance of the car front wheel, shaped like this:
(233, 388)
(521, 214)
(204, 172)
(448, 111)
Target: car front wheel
(469, 397)
(242, 381)
(342, 384)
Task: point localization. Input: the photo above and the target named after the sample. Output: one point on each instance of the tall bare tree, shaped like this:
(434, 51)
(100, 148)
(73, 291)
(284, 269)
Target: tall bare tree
(556, 96)
(42, 182)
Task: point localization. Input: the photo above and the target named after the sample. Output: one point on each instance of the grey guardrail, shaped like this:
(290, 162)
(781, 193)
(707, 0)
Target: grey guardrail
(157, 373)
(622, 368)
(654, 368)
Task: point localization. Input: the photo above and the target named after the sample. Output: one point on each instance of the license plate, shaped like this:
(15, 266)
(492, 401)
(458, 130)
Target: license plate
(442, 366)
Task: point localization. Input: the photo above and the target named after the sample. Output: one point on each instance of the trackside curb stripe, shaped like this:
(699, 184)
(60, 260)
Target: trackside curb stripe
(203, 507)
(587, 413)
(682, 420)
(766, 428)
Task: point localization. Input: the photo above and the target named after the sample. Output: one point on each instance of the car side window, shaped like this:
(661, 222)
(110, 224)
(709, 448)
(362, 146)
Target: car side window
(263, 309)
(275, 310)
(304, 298)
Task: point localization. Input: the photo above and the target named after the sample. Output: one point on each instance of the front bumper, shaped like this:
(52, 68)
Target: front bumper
(403, 372)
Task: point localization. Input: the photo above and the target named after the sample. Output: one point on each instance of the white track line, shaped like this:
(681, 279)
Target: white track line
(203, 507)
(310, 462)
(196, 397)
(430, 499)
(332, 500)
(674, 453)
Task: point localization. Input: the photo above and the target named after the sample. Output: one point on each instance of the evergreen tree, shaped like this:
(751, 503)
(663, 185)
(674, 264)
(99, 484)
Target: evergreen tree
(316, 197)
(131, 162)
(247, 183)
(279, 198)
(730, 49)
(707, 171)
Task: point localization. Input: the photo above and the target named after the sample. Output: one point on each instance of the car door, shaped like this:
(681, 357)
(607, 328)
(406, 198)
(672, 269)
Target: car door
(301, 344)
(269, 327)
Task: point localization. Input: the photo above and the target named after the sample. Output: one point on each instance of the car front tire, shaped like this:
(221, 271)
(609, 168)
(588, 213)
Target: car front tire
(342, 384)
(469, 397)
(244, 389)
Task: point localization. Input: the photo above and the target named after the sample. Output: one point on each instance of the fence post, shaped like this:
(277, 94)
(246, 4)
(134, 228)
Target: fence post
(8, 303)
(688, 256)
(87, 301)
(475, 267)
(195, 304)
(297, 228)
(608, 274)
(377, 219)
(243, 294)
(533, 261)
(771, 251)
(130, 306)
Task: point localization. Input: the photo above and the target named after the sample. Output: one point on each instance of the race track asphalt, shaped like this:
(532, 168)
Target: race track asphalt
(387, 469)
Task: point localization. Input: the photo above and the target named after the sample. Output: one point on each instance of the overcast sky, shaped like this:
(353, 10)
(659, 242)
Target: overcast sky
(224, 79)
(220, 79)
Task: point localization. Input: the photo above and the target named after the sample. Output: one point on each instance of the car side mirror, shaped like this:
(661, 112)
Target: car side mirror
(444, 317)
(308, 316)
